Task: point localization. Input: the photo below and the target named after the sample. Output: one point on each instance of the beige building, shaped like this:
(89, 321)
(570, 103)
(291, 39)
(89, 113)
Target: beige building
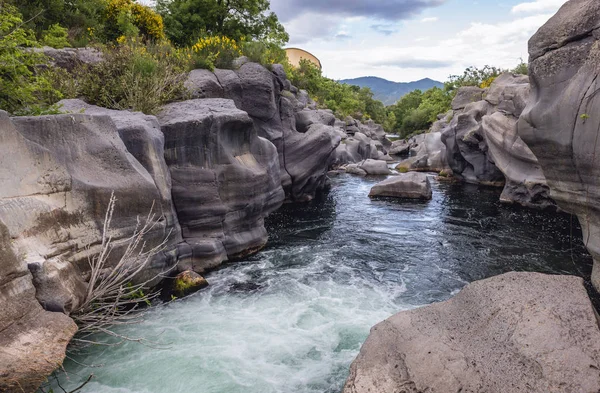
(295, 55)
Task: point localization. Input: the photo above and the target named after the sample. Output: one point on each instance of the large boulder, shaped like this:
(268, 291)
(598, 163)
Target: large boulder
(225, 180)
(400, 147)
(518, 332)
(374, 167)
(408, 185)
(561, 123)
(33, 341)
(71, 58)
(465, 96)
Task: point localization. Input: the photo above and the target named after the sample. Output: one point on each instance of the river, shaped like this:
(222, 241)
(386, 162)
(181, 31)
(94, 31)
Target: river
(292, 318)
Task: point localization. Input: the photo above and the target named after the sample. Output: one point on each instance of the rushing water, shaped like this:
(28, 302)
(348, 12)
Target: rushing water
(292, 318)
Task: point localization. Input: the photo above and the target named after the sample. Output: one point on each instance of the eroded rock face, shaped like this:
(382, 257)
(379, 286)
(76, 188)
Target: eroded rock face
(32, 341)
(512, 333)
(561, 121)
(525, 181)
(427, 154)
(57, 175)
(307, 139)
(225, 180)
(408, 185)
(71, 58)
(466, 149)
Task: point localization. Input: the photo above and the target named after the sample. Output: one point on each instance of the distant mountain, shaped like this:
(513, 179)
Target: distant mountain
(389, 92)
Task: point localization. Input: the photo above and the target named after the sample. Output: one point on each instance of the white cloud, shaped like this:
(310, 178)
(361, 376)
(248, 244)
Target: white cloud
(430, 19)
(538, 6)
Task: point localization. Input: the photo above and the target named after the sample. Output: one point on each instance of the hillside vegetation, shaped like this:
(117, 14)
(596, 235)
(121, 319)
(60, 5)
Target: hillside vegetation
(148, 52)
(390, 92)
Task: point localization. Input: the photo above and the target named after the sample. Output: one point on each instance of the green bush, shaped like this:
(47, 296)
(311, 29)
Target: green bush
(56, 36)
(136, 76)
(22, 91)
(265, 53)
(344, 100)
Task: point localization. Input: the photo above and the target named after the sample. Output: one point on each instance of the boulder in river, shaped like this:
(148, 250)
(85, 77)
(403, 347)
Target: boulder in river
(374, 167)
(561, 122)
(412, 185)
(518, 332)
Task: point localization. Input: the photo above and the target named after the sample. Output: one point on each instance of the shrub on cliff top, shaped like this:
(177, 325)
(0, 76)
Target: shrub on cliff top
(130, 19)
(134, 75)
(22, 91)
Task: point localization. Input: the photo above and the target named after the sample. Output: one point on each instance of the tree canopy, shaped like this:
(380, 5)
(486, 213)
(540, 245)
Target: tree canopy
(188, 20)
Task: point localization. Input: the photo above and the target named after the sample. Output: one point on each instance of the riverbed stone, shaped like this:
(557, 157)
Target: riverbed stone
(374, 167)
(407, 185)
(518, 332)
(188, 282)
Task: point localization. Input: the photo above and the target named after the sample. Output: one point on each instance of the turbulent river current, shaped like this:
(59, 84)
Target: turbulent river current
(292, 318)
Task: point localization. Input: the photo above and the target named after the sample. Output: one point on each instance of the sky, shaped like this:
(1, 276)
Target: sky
(407, 40)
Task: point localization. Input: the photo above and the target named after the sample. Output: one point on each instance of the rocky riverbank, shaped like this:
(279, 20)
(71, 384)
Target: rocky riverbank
(211, 169)
(520, 331)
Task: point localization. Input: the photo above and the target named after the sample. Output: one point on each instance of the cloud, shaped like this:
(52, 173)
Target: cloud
(382, 9)
(384, 29)
(404, 62)
(430, 19)
(538, 6)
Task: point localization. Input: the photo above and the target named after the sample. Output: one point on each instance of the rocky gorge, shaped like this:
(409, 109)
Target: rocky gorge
(211, 168)
(248, 148)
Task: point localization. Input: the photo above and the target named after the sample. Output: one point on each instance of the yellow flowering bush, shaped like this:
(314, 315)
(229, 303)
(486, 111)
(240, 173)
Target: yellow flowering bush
(487, 82)
(217, 51)
(128, 18)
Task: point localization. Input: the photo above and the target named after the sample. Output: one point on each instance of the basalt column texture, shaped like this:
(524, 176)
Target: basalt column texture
(226, 179)
(561, 123)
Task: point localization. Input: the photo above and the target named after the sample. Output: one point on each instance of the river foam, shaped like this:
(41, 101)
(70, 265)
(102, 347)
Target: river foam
(292, 318)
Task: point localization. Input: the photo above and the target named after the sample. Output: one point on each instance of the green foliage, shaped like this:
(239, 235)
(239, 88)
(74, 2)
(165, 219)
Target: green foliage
(126, 18)
(263, 52)
(215, 52)
(56, 36)
(344, 100)
(474, 76)
(416, 111)
(22, 92)
(186, 21)
(522, 68)
(134, 75)
(79, 17)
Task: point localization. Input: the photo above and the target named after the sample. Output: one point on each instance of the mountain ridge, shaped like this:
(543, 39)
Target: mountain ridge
(388, 91)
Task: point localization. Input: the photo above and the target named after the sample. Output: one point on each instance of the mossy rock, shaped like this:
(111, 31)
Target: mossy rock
(187, 283)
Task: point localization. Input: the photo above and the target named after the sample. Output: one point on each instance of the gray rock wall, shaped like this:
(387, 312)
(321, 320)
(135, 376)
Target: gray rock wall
(561, 123)
(225, 180)
(305, 139)
(483, 146)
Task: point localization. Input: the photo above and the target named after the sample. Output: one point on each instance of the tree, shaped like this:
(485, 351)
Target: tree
(188, 20)
(76, 15)
(21, 89)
